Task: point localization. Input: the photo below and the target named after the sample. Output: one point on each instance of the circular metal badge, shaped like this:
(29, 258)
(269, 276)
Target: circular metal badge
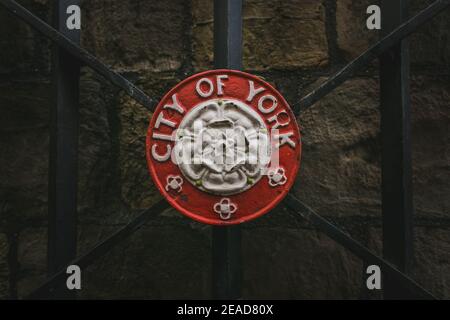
(223, 147)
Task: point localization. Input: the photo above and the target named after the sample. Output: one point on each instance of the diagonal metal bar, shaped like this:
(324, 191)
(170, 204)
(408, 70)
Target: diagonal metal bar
(377, 49)
(79, 53)
(100, 249)
(355, 247)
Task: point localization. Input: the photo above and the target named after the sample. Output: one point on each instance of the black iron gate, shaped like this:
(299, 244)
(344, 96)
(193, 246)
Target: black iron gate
(392, 50)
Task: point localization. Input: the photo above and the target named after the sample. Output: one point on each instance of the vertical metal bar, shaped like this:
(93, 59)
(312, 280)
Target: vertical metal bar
(228, 34)
(226, 241)
(396, 149)
(62, 233)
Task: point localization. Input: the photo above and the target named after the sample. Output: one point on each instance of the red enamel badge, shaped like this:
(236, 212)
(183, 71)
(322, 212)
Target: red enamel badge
(223, 147)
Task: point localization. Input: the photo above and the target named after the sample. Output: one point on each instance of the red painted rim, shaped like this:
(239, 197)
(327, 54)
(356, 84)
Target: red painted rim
(193, 201)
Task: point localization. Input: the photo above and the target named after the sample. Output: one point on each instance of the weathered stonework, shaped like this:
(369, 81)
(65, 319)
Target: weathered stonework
(137, 189)
(24, 144)
(293, 257)
(431, 147)
(340, 172)
(32, 259)
(429, 45)
(136, 35)
(432, 259)
(166, 259)
(284, 35)
(22, 50)
(97, 182)
(4, 267)
(353, 37)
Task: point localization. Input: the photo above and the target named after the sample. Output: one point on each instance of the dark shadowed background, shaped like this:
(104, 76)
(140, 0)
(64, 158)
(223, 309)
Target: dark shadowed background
(293, 44)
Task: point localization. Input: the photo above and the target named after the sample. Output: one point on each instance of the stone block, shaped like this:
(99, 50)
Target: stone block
(282, 263)
(4, 267)
(340, 173)
(285, 35)
(136, 35)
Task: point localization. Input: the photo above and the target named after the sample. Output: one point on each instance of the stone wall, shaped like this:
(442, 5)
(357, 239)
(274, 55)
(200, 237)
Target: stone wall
(294, 44)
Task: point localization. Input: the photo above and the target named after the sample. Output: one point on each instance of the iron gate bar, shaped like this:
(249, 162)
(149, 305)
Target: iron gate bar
(355, 247)
(79, 53)
(63, 159)
(226, 241)
(395, 110)
(100, 249)
(377, 49)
